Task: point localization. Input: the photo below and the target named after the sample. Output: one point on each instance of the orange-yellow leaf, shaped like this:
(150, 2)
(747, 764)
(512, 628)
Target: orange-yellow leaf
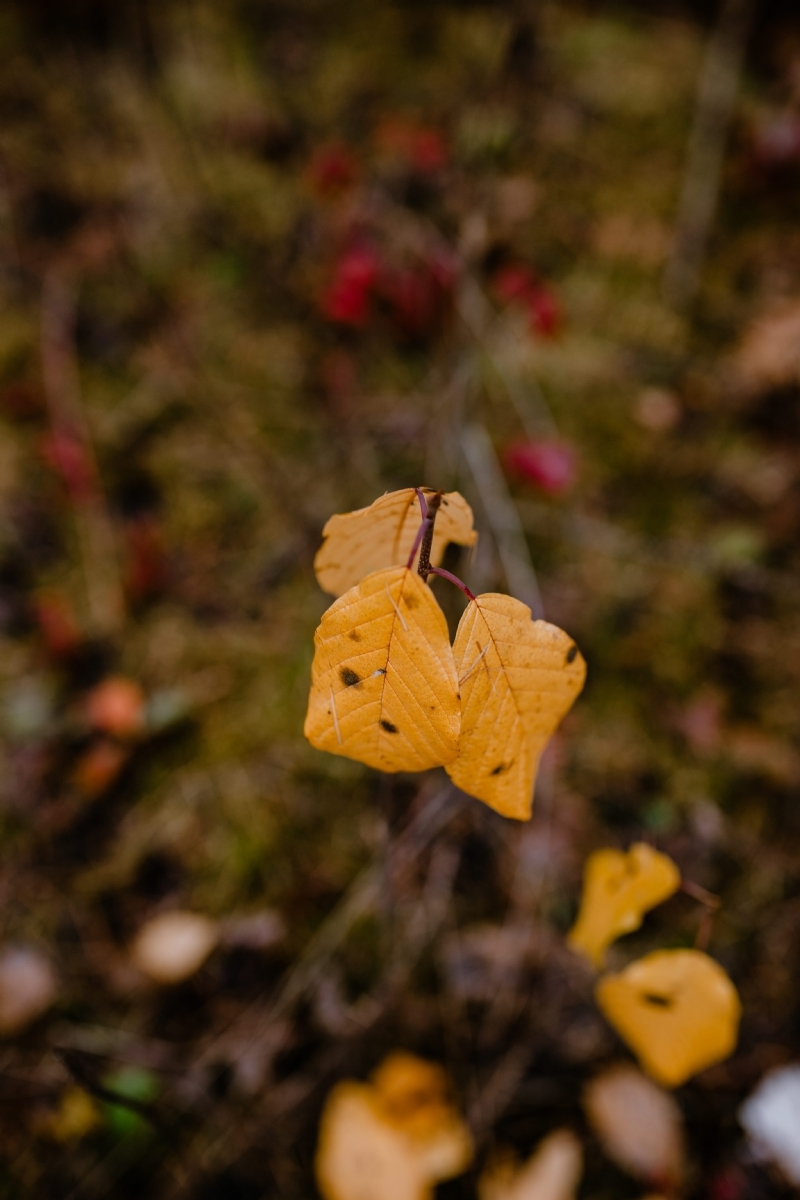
(677, 1010)
(391, 1139)
(618, 889)
(553, 1172)
(357, 543)
(383, 682)
(518, 678)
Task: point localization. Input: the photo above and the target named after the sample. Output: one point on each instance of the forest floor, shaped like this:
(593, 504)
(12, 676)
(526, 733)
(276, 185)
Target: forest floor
(257, 266)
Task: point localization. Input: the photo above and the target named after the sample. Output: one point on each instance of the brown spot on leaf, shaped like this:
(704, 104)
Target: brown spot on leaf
(388, 726)
(572, 653)
(349, 677)
(354, 635)
(498, 770)
(657, 1001)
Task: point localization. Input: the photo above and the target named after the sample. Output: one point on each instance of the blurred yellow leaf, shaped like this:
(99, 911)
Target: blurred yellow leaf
(676, 1009)
(391, 1139)
(76, 1116)
(618, 889)
(358, 543)
(552, 1173)
(383, 682)
(518, 678)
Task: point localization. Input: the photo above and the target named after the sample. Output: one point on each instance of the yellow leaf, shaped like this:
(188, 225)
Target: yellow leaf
(552, 1173)
(677, 1010)
(76, 1116)
(391, 1139)
(618, 889)
(383, 683)
(357, 543)
(518, 678)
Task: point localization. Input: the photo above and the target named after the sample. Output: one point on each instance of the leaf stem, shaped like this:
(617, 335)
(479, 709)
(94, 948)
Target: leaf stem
(452, 579)
(424, 540)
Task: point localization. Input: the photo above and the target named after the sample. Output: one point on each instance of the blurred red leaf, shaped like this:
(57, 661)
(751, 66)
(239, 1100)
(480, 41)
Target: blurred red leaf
(516, 283)
(420, 147)
(544, 311)
(551, 466)
(99, 767)
(57, 623)
(147, 565)
(332, 169)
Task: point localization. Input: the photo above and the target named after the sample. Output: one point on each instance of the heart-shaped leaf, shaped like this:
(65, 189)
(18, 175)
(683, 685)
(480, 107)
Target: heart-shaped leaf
(384, 689)
(357, 543)
(518, 678)
(618, 889)
(677, 1010)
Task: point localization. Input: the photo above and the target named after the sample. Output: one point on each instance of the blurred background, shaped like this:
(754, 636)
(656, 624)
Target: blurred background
(259, 263)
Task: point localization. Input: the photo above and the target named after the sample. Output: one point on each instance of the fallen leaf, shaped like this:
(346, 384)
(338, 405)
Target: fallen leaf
(639, 1125)
(771, 1119)
(384, 689)
(174, 945)
(28, 987)
(393, 1138)
(618, 889)
(769, 354)
(552, 1173)
(518, 678)
(381, 535)
(676, 1009)
(76, 1116)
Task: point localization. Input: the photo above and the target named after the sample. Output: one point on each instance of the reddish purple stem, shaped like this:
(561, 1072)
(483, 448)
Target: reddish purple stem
(423, 508)
(453, 579)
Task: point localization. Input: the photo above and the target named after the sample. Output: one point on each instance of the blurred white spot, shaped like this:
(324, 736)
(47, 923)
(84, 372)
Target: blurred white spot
(771, 1118)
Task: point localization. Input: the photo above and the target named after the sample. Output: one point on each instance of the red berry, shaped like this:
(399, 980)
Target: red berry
(550, 466)
(116, 706)
(514, 283)
(347, 299)
(68, 455)
(544, 311)
(57, 623)
(428, 152)
(332, 169)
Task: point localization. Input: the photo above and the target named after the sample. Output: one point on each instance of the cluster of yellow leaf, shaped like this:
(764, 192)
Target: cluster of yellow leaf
(676, 1009)
(387, 688)
(393, 1138)
(397, 1136)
